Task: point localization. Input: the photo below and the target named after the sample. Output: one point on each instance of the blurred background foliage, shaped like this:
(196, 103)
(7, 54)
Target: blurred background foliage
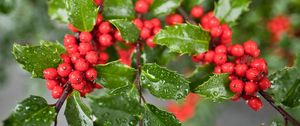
(27, 21)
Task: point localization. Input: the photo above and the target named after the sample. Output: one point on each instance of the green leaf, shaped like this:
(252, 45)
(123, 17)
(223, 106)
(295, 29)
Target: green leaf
(76, 112)
(35, 59)
(57, 10)
(155, 117)
(33, 111)
(129, 32)
(200, 75)
(116, 110)
(163, 83)
(293, 96)
(229, 10)
(189, 4)
(184, 38)
(6, 6)
(115, 75)
(163, 7)
(128, 90)
(159, 55)
(118, 9)
(82, 14)
(216, 88)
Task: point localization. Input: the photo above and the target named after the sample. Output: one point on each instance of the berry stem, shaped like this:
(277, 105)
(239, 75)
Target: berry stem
(61, 100)
(186, 16)
(287, 117)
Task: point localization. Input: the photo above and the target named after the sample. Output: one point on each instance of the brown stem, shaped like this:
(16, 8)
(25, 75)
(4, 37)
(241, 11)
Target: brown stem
(285, 114)
(186, 16)
(61, 101)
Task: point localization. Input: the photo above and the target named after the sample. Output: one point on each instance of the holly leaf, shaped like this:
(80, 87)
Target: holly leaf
(35, 59)
(118, 9)
(57, 10)
(216, 88)
(82, 14)
(228, 11)
(114, 75)
(129, 32)
(200, 75)
(155, 117)
(33, 111)
(163, 7)
(189, 4)
(163, 83)
(116, 110)
(184, 38)
(76, 112)
(159, 55)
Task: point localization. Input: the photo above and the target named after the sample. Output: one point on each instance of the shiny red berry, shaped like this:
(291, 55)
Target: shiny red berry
(72, 28)
(148, 24)
(240, 69)
(259, 64)
(138, 23)
(99, 19)
(92, 57)
(174, 19)
(215, 31)
(221, 49)
(103, 56)
(105, 40)
(69, 40)
(237, 50)
(264, 84)
(72, 48)
(65, 58)
(156, 30)
(209, 56)
(197, 11)
(50, 73)
(57, 92)
(220, 58)
(228, 68)
(81, 65)
(250, 88)
(155, 22)
(85, 37)
(250, 47)
(141, 6)
(91, 74)
(84, 48)
(253, 74)
(51, 84)
(145, 33)
(104, 27)
(75, 57)
(75, 77)
(118, 36)
(217, 70)
(150, 42)
(98, 2)
(78, 86)
(64, 69)
(255, 103)
(236, 86)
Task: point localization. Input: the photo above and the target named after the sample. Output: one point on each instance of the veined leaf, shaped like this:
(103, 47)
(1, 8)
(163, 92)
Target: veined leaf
(118, 9)
(128, 30)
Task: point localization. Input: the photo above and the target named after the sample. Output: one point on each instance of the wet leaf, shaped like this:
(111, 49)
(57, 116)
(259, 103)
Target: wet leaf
(200, 75)
(57, 10)
(163, 83)
(33, 111)
(184, 38)
(76, 112)
(189, 4)
(163, 7)
(118, 9)
(35, 59)
(129, 32)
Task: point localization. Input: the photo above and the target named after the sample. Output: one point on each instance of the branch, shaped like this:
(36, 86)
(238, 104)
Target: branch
(186, 16)
(61, 100)
(286, 115)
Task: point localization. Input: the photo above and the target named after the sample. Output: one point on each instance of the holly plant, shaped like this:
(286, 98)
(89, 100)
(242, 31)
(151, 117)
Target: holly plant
(118, 50)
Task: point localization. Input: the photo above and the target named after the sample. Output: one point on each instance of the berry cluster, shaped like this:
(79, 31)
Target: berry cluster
(277, 26)
(247, 72)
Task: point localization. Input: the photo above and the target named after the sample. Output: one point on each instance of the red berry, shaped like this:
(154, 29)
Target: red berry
(84, 48)
(250, 47)
(91, 74)
(215, 31)
(264, 84)
(141, 6)
(138, 22)
(78, 86)
(173, 19)
(217, 70)
(150, 42)
(221, 49)
(220, 58)
(103, 56)
(118, 36)
(85, 37)
(226, 32)
(253, 74)
(148, 24)
(64, 69)
(226, 41)
(228, 68)
(196, 12)
(240, 69)
(198, 58)
(81, 65)
(236, 86)
(63, 80)
(256, 53)
(105, 40)
(75, 57)
(72, 48)
(50, 73)
(255, 103)
(57, 92)
(91, 57)
(213, 22)
(259, 64)
(209, 56)
(250, 88)
(51, 84)
(145, 33)
(156, 30)
(69, 40)
(65, 58)
(104, 27)
(75, 77)
(98, 2)
(232, 77)
(237, 50)
(72, 28)
(99, 19)
(155, 22)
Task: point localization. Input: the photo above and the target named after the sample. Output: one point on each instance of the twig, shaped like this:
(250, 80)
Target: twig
(61, 101)
(286, 115)
(186, 16)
